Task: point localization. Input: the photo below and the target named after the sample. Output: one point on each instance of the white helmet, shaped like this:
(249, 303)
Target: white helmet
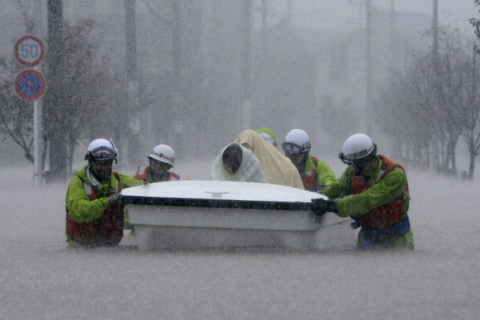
(163, 153)
(267, 137)
(101, 150)
(297, 141)
(358, 147)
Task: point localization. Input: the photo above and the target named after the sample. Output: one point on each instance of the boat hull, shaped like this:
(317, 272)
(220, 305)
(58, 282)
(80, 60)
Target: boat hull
(184, 215)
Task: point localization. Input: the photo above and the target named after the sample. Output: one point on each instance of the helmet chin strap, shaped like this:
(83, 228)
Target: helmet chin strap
(357, 169)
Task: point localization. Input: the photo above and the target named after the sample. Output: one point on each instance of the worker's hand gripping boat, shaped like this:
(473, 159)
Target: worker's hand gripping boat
(207, 214)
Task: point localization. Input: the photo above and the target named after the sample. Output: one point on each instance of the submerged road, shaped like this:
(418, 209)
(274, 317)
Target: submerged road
(41, 279)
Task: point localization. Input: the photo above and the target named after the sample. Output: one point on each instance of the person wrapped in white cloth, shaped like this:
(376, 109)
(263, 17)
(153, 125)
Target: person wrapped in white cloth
(277, 168)
(237, 163)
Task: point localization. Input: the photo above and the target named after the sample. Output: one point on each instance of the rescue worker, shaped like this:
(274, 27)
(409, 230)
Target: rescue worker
(268, 136)
(161, 160)
(315, 173)
(94, 210)
(237, 163)
(373, 190)
(278, 169)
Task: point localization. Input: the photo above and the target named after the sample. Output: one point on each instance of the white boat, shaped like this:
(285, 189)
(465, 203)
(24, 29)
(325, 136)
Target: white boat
(209, 214)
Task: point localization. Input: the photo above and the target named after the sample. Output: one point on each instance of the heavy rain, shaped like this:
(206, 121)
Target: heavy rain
(194, 75)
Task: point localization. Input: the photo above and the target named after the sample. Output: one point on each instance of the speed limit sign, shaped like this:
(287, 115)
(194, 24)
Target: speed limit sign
(29, 50)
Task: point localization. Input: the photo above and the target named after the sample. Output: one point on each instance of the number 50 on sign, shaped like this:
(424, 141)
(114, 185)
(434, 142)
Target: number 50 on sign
(29, 50)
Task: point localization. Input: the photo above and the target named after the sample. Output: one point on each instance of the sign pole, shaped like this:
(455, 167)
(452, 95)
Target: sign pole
(30, 86)
(38, 110)
(38, 141)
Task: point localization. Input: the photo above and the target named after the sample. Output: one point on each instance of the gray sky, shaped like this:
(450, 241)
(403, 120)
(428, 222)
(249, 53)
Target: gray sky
(455, 13)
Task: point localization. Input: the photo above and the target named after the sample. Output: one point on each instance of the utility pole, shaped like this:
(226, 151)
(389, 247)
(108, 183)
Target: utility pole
(264, 15)
(393, 66)
(392, 44)
(131, 40)
(435, 27)
(246, 67)
(289, 10)
(178, 100)
(176, 41)
(133, 137)
(38, 107)
(471, 167)
(264, 27)
(57, 140)
(369, 68)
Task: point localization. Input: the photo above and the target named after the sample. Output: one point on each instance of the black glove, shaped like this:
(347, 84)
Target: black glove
(320, 206)
(114, 198)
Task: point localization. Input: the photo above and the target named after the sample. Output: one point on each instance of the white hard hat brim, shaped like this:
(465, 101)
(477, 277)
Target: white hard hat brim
(164, 160)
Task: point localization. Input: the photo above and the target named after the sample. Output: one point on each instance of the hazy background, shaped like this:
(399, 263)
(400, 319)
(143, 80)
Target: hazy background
(307, 68)
(41, 279)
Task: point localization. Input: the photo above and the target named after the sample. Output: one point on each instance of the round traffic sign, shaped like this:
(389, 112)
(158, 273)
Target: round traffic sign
(30, 85)
(29, 50)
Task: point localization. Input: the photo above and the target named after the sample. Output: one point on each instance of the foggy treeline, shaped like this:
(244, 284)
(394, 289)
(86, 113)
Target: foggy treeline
(194, 74)
(433, 105)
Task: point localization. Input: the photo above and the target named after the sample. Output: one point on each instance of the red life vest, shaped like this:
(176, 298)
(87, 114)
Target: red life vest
(142, 172)
(309, 179)
(107, 230)
(387, 214)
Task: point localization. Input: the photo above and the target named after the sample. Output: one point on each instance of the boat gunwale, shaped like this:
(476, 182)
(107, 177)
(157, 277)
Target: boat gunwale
(217, 203)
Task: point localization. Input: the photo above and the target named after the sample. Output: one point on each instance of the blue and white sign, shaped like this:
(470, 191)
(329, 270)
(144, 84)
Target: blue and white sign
(29, 50)
(30, 85)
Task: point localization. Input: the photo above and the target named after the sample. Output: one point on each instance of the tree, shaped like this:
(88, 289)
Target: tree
(470, 112)
(400, 115)
(438, 100)
(434, 84)
(476, 22)
(79, 104)
(16, 116)
(72, 90)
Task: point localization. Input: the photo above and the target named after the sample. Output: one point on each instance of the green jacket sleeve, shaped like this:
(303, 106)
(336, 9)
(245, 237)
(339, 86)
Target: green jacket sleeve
(389, 188)
(79, 206)
(341, 187)
(128, 181)
(325, 174)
